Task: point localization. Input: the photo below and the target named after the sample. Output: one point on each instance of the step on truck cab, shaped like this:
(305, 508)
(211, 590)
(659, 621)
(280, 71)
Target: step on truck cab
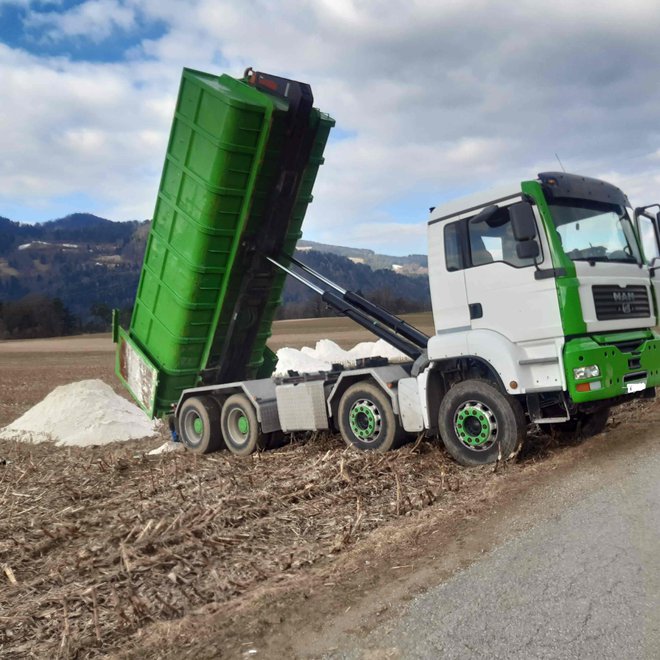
(544, 297)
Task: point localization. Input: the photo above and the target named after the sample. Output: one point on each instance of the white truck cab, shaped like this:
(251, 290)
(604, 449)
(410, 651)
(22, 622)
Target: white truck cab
(543, 290)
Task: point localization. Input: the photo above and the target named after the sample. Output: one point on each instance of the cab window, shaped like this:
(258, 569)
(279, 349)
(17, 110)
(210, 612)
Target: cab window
(453, 249)
(492, 240)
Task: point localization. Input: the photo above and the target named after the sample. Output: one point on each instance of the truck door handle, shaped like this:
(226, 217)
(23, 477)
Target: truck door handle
(476, 311)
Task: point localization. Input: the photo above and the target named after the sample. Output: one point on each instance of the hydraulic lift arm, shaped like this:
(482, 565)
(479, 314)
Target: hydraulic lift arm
(379, 321)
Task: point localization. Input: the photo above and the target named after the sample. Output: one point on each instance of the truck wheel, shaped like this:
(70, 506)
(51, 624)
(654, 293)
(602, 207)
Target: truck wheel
(478, 423)
(199, 424)
(366, 419)
(240, 427)
(584, 425)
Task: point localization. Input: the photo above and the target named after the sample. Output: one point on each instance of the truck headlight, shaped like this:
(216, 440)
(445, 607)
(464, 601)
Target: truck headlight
(592, 371)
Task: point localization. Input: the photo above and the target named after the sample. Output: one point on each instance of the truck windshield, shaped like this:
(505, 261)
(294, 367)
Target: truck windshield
(592, 231)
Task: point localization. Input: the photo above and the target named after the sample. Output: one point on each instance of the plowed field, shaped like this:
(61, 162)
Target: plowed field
(105, 550)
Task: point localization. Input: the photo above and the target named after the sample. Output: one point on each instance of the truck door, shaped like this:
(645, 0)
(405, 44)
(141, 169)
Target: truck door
(504, 292)
(447, 277)
(648, 230)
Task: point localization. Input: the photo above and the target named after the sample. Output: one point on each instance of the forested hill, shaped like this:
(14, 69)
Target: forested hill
(80, 227)
(397, 292)
(88, 264)
(91, 265)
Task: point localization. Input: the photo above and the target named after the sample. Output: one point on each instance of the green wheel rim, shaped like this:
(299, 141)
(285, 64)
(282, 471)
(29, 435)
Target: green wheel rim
(192, 426)
(238, 426)
(365, 420)
(243, 424)
(475, 426)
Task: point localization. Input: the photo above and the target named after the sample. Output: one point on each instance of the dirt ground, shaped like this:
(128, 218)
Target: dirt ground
(108, 551)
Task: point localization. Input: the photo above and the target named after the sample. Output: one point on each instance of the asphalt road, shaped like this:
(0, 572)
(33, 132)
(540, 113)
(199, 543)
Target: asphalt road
(582, 582)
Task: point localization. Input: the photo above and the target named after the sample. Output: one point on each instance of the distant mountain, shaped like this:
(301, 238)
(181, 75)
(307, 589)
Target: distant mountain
(412, 264)
(82, 227)
(85, 226)
(399, 293)
(12, 233)
(92, 264)
(77, 222)
(82, 259)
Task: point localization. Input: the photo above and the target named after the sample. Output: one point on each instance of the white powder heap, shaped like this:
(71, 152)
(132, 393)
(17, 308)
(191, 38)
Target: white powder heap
(362, 350)
(81, 414)
(327, 350)
(326, 353)
(292, 359)
(383, 349)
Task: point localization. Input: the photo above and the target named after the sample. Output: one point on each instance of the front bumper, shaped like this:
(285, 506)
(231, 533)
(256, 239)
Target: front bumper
(626, 361)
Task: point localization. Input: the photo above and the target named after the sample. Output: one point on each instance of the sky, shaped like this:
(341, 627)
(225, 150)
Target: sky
(434, 99)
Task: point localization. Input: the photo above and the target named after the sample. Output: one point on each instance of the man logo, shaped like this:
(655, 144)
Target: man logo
(623, 296)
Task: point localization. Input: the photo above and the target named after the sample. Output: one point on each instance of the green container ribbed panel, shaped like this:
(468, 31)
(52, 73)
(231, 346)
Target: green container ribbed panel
(221, 163)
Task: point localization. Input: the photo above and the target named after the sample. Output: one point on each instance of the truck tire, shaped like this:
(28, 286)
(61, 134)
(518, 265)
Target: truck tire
(366, 419)
(199, 424)
(478, 423)
(584, 425)
(240, 427)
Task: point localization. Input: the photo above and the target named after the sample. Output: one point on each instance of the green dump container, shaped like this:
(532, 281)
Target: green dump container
(240, 166)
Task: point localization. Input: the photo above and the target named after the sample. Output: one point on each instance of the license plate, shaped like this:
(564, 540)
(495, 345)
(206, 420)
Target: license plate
(636, 387)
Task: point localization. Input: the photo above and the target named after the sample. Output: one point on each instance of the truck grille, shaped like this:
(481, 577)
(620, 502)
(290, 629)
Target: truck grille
(621, 302)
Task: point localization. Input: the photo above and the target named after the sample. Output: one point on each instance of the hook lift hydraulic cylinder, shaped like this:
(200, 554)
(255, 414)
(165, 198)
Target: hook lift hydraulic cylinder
(383, 324)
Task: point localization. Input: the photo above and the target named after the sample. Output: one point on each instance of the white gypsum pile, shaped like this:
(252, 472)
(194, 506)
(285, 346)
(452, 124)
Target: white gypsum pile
(85, 413)
(326, 353)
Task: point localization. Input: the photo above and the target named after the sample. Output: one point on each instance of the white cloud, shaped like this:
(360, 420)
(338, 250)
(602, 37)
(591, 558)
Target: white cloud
(95, 20)
(433, 97)
(92, 128)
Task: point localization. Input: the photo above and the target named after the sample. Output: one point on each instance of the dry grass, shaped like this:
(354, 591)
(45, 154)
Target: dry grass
(96, 543)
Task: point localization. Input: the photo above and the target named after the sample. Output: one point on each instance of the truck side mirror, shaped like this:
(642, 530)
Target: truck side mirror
(528, 249)
(655, 264)
(523, 222)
